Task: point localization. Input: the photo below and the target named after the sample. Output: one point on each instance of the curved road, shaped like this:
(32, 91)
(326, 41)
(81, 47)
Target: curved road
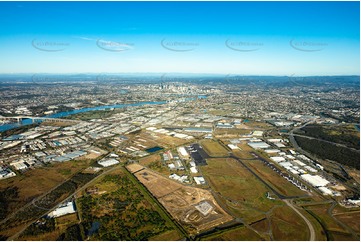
(310, 227)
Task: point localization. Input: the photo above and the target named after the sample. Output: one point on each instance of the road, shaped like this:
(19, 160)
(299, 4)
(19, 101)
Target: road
(326, 141)
(15, 236)
(25, 206)
(32, 202)
(309, 224)
(346, 227)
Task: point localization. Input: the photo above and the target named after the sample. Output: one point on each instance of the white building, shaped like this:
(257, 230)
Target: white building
(233, 147)
(108, 162)
(277, 159)
(325, 191)
(315, 180)
(6, 173)
(194, 169)
(257, 133)
(270, 151)
(199, 180)
(63, 210)
(182, 152)
(258, 145)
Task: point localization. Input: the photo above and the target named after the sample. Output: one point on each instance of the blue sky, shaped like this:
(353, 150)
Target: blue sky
(249, 38)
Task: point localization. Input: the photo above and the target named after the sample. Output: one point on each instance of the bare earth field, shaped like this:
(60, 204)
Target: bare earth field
(194, 208)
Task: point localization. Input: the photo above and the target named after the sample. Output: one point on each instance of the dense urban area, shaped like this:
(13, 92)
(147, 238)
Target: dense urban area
(167, 157)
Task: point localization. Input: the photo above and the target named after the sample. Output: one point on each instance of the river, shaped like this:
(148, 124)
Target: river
(24, 122)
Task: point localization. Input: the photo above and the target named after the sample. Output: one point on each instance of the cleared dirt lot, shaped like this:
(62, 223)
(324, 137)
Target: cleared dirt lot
(194, 208)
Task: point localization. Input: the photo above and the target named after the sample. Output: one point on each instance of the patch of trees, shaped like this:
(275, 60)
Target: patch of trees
(48, 201)
(72, 233)
(329, 151)
(7, 195)
(346, 136)
(123, 214)
(44, 225)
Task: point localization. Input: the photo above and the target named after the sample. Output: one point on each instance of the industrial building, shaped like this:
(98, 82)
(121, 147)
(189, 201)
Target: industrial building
(199, 180)
(258, 145)
(6, 173)
(108, 162)
(315, 180)
(277, 159)
(233, 147)
(198, 130)
(182, 152)
(68, 208)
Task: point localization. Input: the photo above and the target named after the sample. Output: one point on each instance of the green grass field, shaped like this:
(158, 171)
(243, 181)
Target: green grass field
(271, 177)
(239, 234)
(240, 191)
(332, 229)
(213, 148)
(287, 225)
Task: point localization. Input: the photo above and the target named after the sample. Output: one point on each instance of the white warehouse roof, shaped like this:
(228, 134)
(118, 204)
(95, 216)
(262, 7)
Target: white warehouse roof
(315, 180)
(108, 162)
(258, 145)
(67, 209)
(277, 159)
(325, 191)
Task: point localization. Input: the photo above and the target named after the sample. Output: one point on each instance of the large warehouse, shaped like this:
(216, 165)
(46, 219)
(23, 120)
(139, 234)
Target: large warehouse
(315, 180)
(258, 145)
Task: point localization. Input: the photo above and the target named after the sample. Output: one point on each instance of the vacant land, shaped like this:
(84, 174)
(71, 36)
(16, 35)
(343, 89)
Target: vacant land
(239, 189)
(348, 216)
(22, 189)
(38, 208)
(258, 125)
(274, 179)
(239, 234)
(287, 225)
(213, 148)
(230, 132)
(146, 161)
(121, 211)
(333, 230)
(49, 228)
(194, 208)
(144, 139)
(352, 219)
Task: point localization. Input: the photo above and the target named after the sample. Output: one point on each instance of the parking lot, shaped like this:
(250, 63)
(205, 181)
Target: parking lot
(198, 154)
